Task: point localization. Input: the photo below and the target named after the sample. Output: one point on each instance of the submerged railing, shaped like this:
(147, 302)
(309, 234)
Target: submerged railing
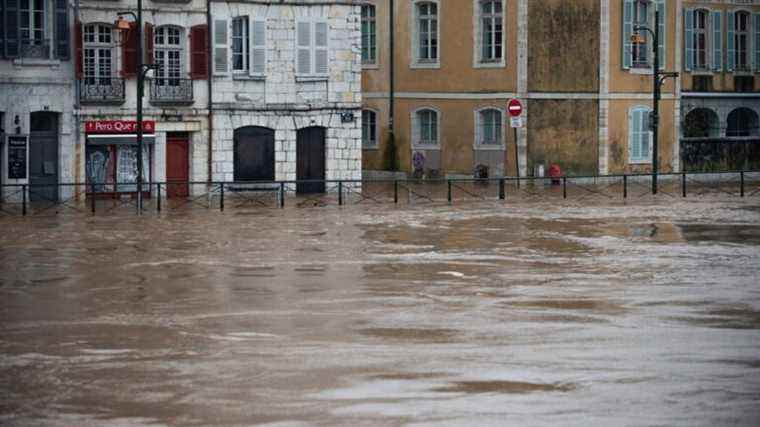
(93, 198)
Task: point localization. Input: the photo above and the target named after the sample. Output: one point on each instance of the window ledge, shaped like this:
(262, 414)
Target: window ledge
(307, 79)
(489, 147)
(53, 63)
(640, 162)
(490, 65)
(426, 147)
(425, 65)
(701, 72)
(248, 77)
(370, 147)
(370, 66)
(641, 71)
(743, 73)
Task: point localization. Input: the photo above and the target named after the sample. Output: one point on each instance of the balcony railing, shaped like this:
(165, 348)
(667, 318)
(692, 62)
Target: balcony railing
(102, 90)
(35, 49)
(171, 91)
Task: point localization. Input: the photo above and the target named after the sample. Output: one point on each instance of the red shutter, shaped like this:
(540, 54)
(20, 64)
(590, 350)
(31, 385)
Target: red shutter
(148, 43)
(129, 52)
(199, 52)
(79, 51)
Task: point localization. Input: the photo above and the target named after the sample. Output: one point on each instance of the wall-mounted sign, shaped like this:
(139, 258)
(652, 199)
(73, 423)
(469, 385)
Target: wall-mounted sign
(17, 157)
(347, 117)
(118, 126)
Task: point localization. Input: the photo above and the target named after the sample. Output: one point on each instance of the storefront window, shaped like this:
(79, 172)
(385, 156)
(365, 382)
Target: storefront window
(113, 168)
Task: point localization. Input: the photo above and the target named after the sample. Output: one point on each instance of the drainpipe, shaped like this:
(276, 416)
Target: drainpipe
(209, 86)
(77, 102)
(392, 70)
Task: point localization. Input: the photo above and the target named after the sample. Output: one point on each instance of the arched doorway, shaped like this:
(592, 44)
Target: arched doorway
(43, 156)
(310, 159)
(701, 123)
(742, 122)
(254, 154)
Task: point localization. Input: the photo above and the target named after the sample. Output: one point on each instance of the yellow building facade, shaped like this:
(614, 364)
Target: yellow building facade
(438, 74)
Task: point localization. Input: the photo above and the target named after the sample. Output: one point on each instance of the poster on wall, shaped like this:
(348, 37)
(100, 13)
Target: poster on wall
(17, 157)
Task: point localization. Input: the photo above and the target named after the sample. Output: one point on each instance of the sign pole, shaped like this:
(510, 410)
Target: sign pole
(517, 158)
(514, 107)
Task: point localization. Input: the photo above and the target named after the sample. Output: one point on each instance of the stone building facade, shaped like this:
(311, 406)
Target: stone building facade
(245, 91)
(441, 83)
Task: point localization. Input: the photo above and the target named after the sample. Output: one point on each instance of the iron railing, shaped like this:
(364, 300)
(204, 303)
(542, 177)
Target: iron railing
(35, 49)
(171, 91)
(32, 199)
(102, 90)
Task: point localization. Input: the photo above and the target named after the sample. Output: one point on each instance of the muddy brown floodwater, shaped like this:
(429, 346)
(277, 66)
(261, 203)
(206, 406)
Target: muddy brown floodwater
(472, 316)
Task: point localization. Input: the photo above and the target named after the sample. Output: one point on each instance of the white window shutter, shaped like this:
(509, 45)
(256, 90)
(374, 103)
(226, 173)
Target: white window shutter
(689, 36)
(258, 48)
(221, 47)
(321, 65)
(662, 43)
(627, 33)
(303, 47)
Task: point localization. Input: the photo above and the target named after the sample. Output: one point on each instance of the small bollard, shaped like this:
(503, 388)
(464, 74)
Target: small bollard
(502, 193)
(282, 195)
(158, 197)
(683, 184)
(221, 197)
(340, 193)
(23, 200)
(449, 192)
(564, 187)
(625, 186)
(92, 198)
(741, 180)
(395, 191)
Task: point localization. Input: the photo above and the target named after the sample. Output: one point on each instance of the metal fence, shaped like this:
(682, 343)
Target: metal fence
(157, 197)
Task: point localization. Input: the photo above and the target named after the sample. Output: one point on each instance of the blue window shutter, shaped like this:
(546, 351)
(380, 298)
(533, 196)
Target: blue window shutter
(756, 29)
(11, 29)
(62, 32)
(717, 27)
(633, 127)
(645, 135)
(731, 50)
(689, 26)
(663, 34)
(627, 48)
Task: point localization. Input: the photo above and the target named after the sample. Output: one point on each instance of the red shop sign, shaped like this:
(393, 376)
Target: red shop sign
(118, 126)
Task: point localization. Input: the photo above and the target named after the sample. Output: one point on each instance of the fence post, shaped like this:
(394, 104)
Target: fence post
(340, 193)
(564, 187)
(741, 180)
(683, 184)
(158, 197)
(92, 198)
(221, 197)
(449, 193)
(282, 195)
(23, 200)
(395, 191)
(625, 186)
(502, 194)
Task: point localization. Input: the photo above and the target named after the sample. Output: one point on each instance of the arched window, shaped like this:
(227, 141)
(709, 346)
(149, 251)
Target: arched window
(425, 122)
(369, 34)
(639, 135)
(742, 122)
(427, 48)
(701, 123)
(369, 129)
(98, 54)
(168, 55)
(489, 128)
(491, 30)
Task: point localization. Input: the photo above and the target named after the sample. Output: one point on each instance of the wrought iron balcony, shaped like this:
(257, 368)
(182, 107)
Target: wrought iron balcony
(35, 49)
(171, 91)
(102, 90)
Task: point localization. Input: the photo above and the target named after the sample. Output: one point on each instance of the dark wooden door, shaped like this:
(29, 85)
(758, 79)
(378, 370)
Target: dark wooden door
(254, 154)
(43, 157)
(310, 159)
(177, 165)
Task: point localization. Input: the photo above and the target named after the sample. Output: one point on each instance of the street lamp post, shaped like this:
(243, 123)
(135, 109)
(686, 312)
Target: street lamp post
(658, 79)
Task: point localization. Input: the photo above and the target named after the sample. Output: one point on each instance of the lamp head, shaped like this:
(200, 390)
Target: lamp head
(122, 24)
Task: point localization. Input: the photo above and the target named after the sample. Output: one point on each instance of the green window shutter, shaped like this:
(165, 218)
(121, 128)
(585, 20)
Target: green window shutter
(627, 48)
(645, 135)
(663, 34)
(717, 27)
(633, 126)
(731, 50)
(689, 26)
(756, 29)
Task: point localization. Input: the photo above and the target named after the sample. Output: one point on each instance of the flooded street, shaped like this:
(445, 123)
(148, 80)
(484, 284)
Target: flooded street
(474, 315)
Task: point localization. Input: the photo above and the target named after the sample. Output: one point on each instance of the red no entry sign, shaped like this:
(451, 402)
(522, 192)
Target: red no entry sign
(514, 107)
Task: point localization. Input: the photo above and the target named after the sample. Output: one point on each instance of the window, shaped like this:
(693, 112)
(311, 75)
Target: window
(701, 123)
(489, 128)
(369, 35)
(311, 39)
(240, 47)
(700, 36)
(702, 83)
(744, 83)
(425, 128)
(427, 32)
(638, 53)
(742, 122)
(741, 41)
(35, 29)
(98, 54)
(640, 137)
(168, 56)
(369, 129)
